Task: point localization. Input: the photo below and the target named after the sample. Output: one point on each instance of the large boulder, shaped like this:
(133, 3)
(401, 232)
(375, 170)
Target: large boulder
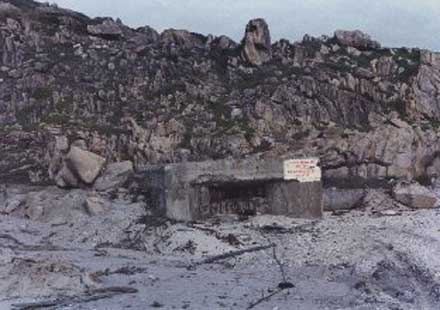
(356, 39)
(84, 164)
(256, 43)
(114, 176)
(415, 196)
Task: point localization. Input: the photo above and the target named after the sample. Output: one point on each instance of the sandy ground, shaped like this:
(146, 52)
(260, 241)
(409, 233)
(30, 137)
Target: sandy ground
(357, 260)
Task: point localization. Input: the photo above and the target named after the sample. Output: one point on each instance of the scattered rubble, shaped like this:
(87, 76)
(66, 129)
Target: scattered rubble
(352, 261)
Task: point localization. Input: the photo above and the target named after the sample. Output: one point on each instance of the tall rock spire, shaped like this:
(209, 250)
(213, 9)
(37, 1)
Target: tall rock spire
(256, 47)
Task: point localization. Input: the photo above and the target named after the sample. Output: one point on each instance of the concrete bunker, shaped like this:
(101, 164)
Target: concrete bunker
(200, 190)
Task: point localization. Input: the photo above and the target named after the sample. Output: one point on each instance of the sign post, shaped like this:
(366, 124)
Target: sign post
(302, 170)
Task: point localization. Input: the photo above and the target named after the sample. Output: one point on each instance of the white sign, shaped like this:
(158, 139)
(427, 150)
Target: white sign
(302, 170)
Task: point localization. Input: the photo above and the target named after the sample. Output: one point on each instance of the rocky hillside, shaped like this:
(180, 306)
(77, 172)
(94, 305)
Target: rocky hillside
(368, 112)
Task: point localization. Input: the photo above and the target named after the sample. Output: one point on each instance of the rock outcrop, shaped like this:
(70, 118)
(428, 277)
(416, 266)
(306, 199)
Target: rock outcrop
(356, 39)
(371, 114)
(107, 29)
(393, 150)
(182, 38)
(256, 43)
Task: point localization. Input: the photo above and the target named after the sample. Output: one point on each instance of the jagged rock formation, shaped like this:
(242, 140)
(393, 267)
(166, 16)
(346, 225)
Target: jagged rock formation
(356, 39)
(256, 43)
(134, 94)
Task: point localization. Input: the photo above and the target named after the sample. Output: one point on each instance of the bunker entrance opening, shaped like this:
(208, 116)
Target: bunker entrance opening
(242, 198)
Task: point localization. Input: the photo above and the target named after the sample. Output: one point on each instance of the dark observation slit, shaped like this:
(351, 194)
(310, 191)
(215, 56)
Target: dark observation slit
(242, 198)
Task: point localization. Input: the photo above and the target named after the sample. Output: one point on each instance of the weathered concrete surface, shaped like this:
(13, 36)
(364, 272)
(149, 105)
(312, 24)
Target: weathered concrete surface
(343, 198)
(301, 200)
(199, 190)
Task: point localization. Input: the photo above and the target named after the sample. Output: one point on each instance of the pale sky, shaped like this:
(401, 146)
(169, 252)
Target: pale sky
(394, 23)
